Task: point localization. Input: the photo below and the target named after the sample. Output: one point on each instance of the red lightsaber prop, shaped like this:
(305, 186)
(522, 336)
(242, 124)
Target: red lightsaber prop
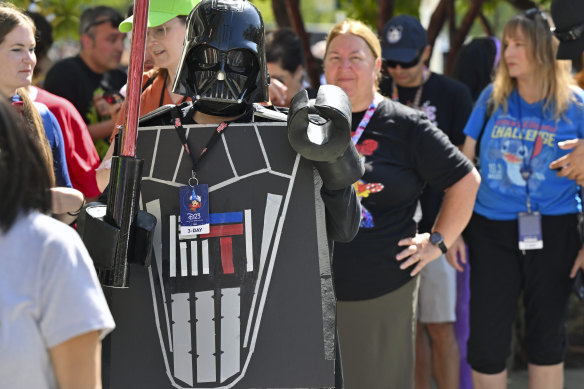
(135, 70)
(126, 170)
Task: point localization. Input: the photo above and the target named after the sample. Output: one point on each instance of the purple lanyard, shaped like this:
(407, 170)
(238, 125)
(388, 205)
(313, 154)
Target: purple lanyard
(365, 121)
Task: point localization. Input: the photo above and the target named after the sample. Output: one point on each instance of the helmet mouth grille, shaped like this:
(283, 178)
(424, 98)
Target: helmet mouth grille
(220, 86)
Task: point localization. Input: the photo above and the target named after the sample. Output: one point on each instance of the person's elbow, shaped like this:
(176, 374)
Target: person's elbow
(467, 187)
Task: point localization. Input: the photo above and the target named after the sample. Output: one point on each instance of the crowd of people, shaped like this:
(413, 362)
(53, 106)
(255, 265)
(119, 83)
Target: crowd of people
(480, 172)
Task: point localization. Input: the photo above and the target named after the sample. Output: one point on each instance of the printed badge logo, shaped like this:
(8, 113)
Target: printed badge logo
(194, 201)
(394, 34)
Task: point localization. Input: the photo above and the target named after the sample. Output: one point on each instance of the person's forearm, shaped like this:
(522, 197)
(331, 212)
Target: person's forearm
(101, 130)
(103, 171)
(457, 207)
(66, 203)
(77, 362)
(469, 148)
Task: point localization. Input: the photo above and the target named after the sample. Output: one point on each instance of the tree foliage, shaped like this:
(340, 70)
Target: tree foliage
(367, 10)
(64, 14)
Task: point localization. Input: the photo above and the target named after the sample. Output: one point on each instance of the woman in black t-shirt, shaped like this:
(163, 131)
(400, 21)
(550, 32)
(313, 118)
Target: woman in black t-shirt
(374, 274)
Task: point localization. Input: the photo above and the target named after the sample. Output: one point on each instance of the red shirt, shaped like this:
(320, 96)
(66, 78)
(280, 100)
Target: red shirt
(80, 153)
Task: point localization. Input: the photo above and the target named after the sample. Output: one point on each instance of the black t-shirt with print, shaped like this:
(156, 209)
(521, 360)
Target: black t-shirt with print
(403, 152)
(73, 80)
(448, 104)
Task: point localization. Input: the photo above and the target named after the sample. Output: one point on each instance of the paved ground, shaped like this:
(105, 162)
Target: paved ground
(574, 379)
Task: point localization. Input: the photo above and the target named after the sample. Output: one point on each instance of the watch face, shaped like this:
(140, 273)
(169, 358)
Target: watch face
(436, 238)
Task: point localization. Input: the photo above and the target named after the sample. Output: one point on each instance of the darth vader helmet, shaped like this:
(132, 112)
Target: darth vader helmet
(223, 63)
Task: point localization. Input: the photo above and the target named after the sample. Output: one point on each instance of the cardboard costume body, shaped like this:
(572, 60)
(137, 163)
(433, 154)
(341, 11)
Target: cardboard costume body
(250, 303)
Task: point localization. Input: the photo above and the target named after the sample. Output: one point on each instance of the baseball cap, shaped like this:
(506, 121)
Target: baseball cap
(568, 17)
(161, 11)
(403, 39)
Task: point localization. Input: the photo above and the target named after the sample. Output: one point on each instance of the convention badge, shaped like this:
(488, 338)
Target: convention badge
(194, 209)
(530, 237)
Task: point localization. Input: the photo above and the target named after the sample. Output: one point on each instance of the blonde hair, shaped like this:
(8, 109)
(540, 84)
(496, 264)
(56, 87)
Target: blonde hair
(357, 28)
(553, 76)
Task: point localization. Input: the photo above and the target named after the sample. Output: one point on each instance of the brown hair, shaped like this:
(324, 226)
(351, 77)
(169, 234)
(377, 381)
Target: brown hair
(20, 152)
(10, 17)
(35, 123)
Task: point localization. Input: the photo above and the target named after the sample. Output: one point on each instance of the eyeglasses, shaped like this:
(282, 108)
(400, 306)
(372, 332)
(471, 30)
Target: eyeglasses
(115, 22)
(158, 33)
(404, 65)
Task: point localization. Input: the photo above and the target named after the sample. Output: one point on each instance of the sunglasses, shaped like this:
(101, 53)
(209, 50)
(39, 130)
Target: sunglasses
(533, 12)
(404, 65)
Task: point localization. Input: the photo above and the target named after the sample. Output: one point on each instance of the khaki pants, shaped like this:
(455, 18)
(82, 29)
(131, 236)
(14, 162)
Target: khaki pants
(377, 339)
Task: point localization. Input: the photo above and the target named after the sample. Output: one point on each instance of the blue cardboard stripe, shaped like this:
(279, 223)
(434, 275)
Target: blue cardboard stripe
(226, 217)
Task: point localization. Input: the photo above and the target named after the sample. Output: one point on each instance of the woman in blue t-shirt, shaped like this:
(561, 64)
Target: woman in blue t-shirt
(523, 236)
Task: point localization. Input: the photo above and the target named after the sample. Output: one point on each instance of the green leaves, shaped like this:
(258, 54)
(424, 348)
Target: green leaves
(64, 14)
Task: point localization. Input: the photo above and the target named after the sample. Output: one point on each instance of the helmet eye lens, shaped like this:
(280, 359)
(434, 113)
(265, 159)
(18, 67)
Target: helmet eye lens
(207, 57)
(239, 61)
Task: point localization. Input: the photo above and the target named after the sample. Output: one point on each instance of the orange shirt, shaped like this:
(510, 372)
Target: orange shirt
(150, 99)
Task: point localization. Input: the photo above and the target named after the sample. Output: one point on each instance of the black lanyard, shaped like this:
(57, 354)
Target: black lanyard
(526, 170)
(181, 132)
(161, 102)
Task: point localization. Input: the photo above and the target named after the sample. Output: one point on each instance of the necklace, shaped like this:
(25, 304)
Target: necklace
(418, 95)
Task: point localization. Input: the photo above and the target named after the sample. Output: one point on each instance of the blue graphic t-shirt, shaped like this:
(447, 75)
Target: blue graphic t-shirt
(524, 139)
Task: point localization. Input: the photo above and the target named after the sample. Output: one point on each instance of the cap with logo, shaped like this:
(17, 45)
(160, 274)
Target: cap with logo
(568, 16)
(403, 39)
(161, 11)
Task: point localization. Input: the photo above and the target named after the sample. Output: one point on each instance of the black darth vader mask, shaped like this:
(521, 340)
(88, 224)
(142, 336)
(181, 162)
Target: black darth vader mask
(223, 65)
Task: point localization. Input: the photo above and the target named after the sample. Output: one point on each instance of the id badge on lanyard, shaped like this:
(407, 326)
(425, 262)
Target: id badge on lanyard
(194, 197)
(530, 236)
(528, 223)
(194, 209)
